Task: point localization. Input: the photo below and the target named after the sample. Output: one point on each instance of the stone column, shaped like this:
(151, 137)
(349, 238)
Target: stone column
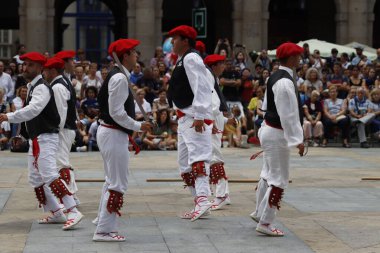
(237, 20)
(358, 21)
(145, 28)
(252, 24)
(341, 20)
(50, 27)
(131, 15)
(22, 15)
(158, 22)
(36, 25)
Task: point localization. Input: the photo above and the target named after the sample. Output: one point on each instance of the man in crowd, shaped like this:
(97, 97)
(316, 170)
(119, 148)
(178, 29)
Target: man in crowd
(280, 131)
(42, 120)
(6, 83)
(191, 92)
(117, 123)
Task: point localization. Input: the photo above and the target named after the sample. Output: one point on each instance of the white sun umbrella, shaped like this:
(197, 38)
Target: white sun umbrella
(325, 49)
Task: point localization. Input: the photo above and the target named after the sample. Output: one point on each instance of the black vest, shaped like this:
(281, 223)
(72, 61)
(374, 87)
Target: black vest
(129, 105)
(271, 114)
(179, 86)
(223, 104)
(48, 120)
(71, 110)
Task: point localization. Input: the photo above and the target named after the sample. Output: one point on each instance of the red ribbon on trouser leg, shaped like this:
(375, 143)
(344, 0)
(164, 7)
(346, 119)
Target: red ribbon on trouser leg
(36, 151)
(134, 144)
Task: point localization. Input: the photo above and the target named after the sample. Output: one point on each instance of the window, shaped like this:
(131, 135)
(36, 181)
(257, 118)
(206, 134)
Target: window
(5, 44)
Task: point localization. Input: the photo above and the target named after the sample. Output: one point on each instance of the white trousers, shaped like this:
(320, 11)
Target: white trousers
(194, 147)
(66, 140)
(275, 169)
(113, 145)
(221, 188)
(45, 171)
(261, 190)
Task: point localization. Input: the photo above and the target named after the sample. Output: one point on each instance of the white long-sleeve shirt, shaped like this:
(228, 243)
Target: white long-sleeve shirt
(118, 93)
(216, 105)
(201, 82)
(61, 96)
(287, 108)
(7, 84)
(40, 99)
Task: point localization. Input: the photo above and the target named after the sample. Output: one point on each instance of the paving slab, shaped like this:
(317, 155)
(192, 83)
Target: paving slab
(334, 199)
(4, 196)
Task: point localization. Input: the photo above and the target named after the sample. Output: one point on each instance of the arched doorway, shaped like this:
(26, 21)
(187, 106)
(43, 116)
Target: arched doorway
(219, 20)
(376, 26)
(93, 24)
(295, 20)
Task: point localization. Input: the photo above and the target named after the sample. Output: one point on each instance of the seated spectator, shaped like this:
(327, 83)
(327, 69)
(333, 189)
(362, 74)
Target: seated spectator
(92, 143)
(140, 98)
(4, 105)
(312, 82)
(350, 96)
(136, 74)
(17, 103)
(240, 59)
(91, 80)
(344, 60)
(234, 132)
(317, 62)
(161, 136)
(339, 80)
(223, 48)
(150, 84)
(78, 81)
(5, 134)
(359, 115)
(160, 103)
(264, 60)
(247, 87)
(374, 107)
(103, 74)
(334, 114)
(89, 104)
(81, 136)
(312, 125)
(158, 56)
(371, 79)
(255, 105)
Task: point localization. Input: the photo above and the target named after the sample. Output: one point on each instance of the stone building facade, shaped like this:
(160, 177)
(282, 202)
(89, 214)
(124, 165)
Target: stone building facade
(40, 22)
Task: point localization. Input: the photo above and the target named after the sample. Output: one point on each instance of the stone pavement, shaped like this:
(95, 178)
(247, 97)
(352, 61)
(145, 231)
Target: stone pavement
(326, 209)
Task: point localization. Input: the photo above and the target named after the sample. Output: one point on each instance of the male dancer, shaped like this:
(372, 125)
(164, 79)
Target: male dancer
(218, 175)
(42, 120)
(117, 111)
(190, 89)
(280, 131)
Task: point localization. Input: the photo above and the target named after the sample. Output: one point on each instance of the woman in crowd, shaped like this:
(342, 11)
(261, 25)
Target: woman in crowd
(160, 103)
(140, 98)
(375, 108)
(247, 87)
(312, 82)
(334, 114)
(312, 125)
(78, 81)
(18, 103)
(161, 135)
(356, 79)
(89, 104)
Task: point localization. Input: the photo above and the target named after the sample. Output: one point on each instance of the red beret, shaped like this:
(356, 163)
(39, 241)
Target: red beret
(288, 49)
(184, 30)
(54, 63)
(34, 56)
(200, 46)
(65, 54)
(213, 59)
(121, 46)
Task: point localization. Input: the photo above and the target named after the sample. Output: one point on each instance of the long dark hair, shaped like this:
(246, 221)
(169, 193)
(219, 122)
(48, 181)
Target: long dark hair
(167, 121)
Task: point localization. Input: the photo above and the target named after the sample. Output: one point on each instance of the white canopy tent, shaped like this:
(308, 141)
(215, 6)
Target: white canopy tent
(366, 47)
(325, 49)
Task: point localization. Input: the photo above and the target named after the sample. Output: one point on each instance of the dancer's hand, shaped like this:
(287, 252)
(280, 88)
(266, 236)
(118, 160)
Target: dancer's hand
(146, 126)
(301, 149)
(3, 117)
(198, 125)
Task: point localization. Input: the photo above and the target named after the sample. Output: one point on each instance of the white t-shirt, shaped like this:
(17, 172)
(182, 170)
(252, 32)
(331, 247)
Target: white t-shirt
(17, 102)
(146, 106)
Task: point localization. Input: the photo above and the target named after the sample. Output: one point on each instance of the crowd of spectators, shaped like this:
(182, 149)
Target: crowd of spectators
(340, 95)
